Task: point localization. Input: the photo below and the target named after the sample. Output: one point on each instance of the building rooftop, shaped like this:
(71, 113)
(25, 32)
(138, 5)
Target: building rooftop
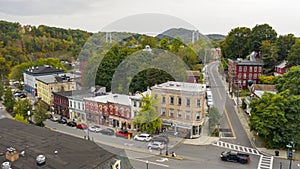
(46, 69)
(72, 152)
(242, 62)
(181, 86)
(112, 98)
(282, 64)
(58, 78)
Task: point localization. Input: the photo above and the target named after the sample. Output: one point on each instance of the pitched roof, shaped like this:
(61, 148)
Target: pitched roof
(73, 152)
(263, 87)
(282, 64)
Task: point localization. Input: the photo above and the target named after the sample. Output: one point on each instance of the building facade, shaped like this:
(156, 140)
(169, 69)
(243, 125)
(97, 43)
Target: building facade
(281, 69)
(243, 72)
(61, 103)
(31, 74)
(110, 110)
(181, 107)
(54, 83)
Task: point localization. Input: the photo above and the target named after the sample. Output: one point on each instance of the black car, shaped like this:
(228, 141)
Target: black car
(235, 156)
(72, 124)
(22, 95)
(107, 131)
(163, 139)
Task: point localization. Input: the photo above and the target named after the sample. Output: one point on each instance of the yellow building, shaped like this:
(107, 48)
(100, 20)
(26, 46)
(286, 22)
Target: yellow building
(54, 83)
(181, 107)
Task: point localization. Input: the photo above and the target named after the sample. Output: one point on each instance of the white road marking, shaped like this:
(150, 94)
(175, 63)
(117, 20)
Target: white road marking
(163, 165)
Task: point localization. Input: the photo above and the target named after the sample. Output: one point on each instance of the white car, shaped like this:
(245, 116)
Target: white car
(143, 137)
(95, 129)
(156, 145)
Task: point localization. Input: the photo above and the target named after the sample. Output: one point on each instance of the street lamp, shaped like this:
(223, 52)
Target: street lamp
(147, 163)
(291, 147)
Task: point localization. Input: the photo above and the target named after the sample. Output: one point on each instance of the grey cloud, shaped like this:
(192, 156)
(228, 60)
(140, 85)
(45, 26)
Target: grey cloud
(43, 7)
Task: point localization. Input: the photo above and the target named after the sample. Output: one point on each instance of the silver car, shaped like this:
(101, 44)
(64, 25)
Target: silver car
(156, 145)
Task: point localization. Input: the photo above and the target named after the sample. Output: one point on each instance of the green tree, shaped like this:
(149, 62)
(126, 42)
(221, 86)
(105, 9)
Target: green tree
(176, 44)
(21, 107)
(148, 40)
(164, 43)
(266, 79)
(293, 57)
(284, 45)
(40, 115)
(236, 44)
(147, 119)
(260, 33)
(214, 118)
(268, 118)
(289, 81)
(269, 55)
(20, 118)
(8, 100)
(1, 90)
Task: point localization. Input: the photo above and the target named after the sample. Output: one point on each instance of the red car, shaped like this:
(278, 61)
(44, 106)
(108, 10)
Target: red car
(81, 126)
(123, 133)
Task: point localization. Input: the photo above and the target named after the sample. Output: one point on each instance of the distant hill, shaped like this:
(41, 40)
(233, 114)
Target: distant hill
(184, 34)
(216, 37)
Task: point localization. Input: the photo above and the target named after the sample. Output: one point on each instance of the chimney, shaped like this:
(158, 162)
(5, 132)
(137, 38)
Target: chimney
(11, 154)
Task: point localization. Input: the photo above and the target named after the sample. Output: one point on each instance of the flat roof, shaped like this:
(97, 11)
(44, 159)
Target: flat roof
(45, 69)
(57, 78)
(73, 152)
(181, 86)
(112, 98)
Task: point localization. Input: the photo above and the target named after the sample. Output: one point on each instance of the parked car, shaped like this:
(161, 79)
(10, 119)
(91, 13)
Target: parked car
(62, 120)
(107, 131)
(22, 95)
(163, 139)
(71, 124)
(156, 145)
(81, 126)
(94, 128)
(54, 118)
(123, 133)
(143, 137)
(235, 156)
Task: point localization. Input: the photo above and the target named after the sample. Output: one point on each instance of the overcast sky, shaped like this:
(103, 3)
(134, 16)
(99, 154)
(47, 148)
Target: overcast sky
(207, 16)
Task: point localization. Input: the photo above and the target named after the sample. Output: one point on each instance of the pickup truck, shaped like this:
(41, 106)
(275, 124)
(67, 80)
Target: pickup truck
(235, 156)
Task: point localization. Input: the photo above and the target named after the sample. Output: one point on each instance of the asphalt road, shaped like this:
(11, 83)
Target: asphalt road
(201, 157)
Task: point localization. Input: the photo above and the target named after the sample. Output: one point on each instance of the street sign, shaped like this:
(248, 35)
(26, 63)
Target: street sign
(288, 146)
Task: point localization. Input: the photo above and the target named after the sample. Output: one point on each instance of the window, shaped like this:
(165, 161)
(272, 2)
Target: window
(255, 69)
(188, 102)
(122, 113)
(163, 101)
(244, 82)
(179, 101)
(172, 113)
(172, 100)
(82, 106)
(245, 76)
(163, 111)
(259, 69)
(250, 69)
(71, 104)
(240, 68)
(179, 114)
(134, 103)
(198, 102)
(187, 115)
(250, 76)
(198, 116)
(255, 76)
(245, 68)
(78, 105)
(240, 76)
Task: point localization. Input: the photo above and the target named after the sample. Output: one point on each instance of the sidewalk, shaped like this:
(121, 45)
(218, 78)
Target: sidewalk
(204, 139)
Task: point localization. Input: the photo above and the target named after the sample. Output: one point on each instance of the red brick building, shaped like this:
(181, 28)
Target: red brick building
(242, 72)
(280, 69)
(110, 110)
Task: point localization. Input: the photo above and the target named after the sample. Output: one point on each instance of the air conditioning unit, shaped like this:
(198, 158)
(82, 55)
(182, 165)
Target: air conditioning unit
(6, 165)
(41, 159)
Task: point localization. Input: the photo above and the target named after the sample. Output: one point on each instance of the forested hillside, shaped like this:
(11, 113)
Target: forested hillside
(19, 44)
